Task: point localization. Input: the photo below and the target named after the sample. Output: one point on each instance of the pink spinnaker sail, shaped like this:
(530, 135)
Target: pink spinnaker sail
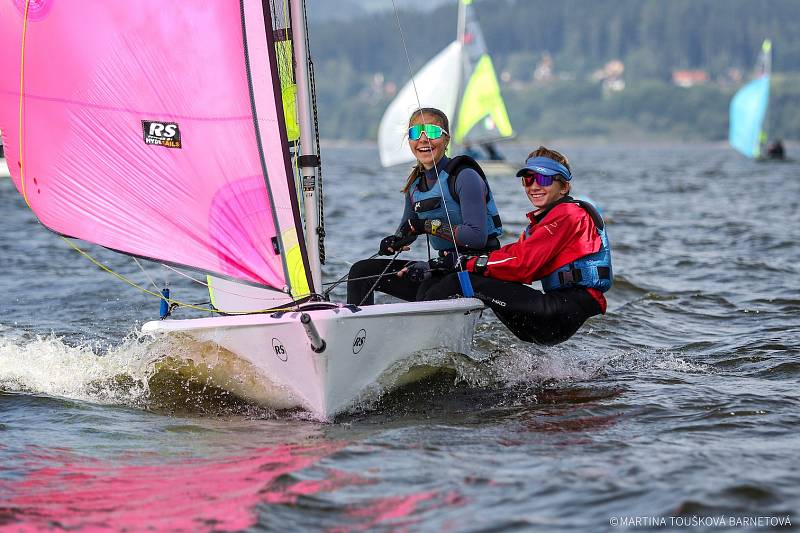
(153, 128)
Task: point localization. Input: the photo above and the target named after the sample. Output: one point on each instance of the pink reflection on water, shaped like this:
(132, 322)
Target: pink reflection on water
(195, 495)
(399, 512)
(66, 491)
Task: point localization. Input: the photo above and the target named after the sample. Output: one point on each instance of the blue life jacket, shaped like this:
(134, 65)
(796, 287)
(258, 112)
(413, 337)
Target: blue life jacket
(592, 271)
(428, 204)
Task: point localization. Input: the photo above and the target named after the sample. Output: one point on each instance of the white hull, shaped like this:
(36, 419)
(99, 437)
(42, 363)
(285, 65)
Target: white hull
(367, 351)
(501, 169)
(4, 169)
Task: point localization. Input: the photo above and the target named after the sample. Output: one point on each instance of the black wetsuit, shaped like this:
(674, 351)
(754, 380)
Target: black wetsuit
(560, 235)
(532, 315)
(472, 233)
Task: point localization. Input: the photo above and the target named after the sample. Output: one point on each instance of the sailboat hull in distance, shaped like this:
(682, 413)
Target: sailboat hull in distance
(500, 168)
(366, 352)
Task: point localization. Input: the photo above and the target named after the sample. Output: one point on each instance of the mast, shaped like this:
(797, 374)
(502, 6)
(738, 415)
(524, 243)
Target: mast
(464, 63)
(462, 19)
(766, 70)
(308, 159)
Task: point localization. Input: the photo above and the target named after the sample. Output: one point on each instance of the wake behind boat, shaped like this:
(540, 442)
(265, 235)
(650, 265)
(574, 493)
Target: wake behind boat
(205, 156)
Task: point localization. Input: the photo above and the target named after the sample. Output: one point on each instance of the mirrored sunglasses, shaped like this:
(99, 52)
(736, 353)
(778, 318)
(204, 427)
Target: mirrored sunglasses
(432, 131)
(540, 179)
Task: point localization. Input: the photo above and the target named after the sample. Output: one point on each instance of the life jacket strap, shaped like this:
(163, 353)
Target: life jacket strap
(575, 275)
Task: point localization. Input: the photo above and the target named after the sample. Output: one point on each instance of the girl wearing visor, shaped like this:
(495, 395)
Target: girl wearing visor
(564, 246)
(447, 200)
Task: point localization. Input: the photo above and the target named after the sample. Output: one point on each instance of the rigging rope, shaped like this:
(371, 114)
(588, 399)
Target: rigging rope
(371, 289)
(436, 170)
(334, 284)
(320, 199)
(146, 274)
(171, 301)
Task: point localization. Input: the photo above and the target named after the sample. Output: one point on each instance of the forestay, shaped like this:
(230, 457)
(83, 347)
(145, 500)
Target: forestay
(157, 131)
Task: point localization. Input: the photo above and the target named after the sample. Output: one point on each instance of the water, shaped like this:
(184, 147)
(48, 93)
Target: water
(678, 409)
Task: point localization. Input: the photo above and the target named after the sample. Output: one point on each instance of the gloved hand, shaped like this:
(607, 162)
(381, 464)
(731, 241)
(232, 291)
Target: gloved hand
(450, 262)
(419, 271)
(394, 243)
(388, 246)
(422, 270)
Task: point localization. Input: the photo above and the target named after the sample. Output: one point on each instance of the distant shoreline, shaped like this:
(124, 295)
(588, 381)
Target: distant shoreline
(568, 141)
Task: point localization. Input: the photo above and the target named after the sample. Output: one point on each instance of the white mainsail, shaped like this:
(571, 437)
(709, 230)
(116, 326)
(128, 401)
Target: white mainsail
(460, 81)
(437, 86)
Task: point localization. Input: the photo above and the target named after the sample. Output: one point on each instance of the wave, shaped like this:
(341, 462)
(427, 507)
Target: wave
(47, 365)
(178, 375)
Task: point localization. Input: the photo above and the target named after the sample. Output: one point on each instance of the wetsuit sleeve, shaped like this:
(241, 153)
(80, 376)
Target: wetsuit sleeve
(531, 259)
(471, 190)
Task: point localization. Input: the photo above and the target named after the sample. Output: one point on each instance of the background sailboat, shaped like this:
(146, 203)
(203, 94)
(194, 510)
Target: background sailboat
(168, 132)
(748, 108)
(461, 81)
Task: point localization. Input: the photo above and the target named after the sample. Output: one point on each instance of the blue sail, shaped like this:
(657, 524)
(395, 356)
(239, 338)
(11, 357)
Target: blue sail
(749, 108)
(747, 112)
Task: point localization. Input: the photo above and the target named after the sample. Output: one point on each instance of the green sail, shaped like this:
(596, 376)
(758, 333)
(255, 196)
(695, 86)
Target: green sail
(283, 51)
(482, 100)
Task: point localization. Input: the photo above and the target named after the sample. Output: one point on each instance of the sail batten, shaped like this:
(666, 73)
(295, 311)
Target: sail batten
(158, 133)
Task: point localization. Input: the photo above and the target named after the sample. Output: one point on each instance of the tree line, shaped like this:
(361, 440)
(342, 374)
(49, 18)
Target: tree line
(652, 38)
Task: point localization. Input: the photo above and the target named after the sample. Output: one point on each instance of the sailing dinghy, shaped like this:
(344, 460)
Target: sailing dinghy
(460, 81)
(180, 133)
(748, 108)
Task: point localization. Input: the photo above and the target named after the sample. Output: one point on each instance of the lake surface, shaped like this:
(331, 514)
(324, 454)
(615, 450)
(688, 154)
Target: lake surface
(678, 409)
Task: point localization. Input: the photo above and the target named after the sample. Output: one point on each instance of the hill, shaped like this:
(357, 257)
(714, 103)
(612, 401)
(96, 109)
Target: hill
(360, 62)
(327, 10)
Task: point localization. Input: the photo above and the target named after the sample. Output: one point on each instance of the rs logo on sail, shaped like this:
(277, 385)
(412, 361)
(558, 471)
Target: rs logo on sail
(161, 133)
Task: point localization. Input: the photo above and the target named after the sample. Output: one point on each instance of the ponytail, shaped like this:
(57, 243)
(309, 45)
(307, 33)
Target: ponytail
(416, 172)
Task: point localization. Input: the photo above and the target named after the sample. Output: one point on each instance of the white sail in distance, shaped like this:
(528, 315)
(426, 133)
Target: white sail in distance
(460, 81)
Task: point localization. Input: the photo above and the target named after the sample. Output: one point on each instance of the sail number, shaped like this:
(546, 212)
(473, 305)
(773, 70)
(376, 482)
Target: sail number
(280, 351)
(359, 340)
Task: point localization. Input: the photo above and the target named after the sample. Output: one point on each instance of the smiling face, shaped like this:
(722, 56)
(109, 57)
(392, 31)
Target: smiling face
(541, 197)
(428, 151)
